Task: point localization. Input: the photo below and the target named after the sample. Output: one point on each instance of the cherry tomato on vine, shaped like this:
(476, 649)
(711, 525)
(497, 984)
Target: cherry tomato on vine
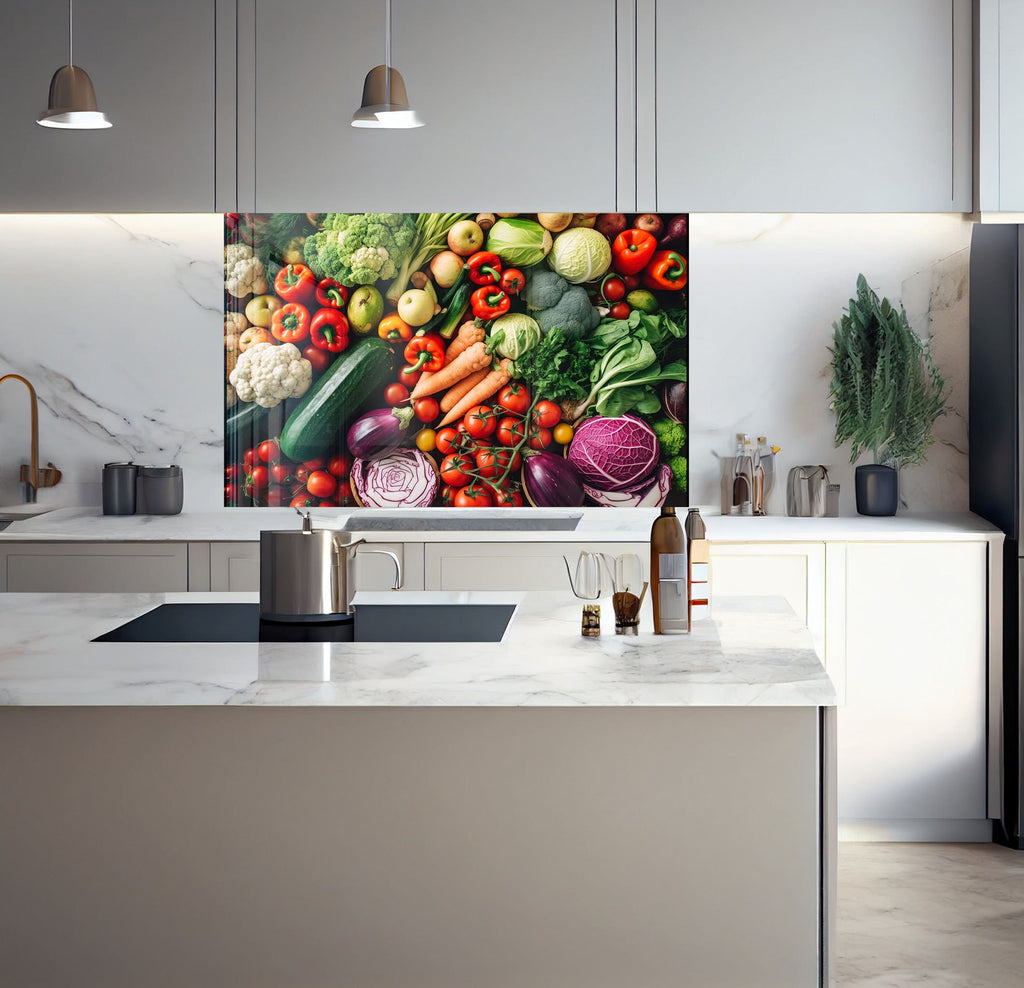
(562, 433)
(340, 465)
(632, 282)
(269, 450)
(328, 502)
(321, 484)
(514, 398)
(278, 495)
(249, 458)
(546, 414)
(613, 288)
(232, 493)
(344, 491)
(481, 421)
(511, 498)
(259, 477)
(302, 474)
(447, 496)
(280, 472)
(317, 464)
(455, 469)
(302, 500)
(233, 472)
(511, 431)
(620, 310)
(426, 440)
(446, 439)
(396, 394)
(473, 496)
(540, 438)
(426, 409)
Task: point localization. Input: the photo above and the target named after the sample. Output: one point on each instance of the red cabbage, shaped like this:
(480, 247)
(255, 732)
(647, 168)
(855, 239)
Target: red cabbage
(651, 492)
(406, 478)
(614, 454)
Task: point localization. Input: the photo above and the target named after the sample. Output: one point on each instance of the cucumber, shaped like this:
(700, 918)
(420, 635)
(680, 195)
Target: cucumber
(456, 310)
(327, 407)
(245, 416)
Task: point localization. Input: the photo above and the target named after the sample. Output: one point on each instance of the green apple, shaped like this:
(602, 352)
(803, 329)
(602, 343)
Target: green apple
(416, 307)
(365, 307)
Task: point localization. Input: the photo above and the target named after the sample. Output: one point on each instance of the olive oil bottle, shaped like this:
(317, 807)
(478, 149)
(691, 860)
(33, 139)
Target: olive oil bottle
(668, 573)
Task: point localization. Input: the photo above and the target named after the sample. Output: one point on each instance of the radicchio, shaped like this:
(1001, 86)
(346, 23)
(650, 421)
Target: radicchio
(406, 478)
(651, 492)
(614, 454)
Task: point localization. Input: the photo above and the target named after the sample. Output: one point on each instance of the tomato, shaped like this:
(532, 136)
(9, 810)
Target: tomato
(340, 465)
(632, 282)
(454, 469)
(232, 472)
(328, 502)
(511, 431)
(473, 496)
(426, 440)
(278, 496)
(426, 409)
(259, 477)
(540, 438)
(514, 398)
(320, 359)
(280, 472)
(446, 440)
(508, 499)
(613, 289)
(321, 484)
(493, 463)
(562, 433)
(302, 474)
(396, 394)
(302, 500)
(249, 458)
(269, 450)
(620, 310)
(447, 496)
(480, 421)
(232, 493)
(344, 490)
(546, 414)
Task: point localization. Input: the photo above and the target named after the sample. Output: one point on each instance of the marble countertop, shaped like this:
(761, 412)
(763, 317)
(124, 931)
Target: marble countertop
(750, 652)
(469, 525)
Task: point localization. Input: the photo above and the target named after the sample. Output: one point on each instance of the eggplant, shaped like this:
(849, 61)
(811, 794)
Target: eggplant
(378, 433)
(551, 481)
(675, 233)
(674, 400)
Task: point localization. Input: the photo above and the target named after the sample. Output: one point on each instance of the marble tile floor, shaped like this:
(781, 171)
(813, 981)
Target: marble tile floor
(942, 915)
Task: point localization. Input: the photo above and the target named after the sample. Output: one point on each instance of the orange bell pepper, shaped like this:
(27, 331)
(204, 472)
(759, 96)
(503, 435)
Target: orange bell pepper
(666, 271)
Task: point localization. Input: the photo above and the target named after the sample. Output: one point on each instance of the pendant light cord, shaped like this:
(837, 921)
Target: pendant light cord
(71, 33)
(387, 52)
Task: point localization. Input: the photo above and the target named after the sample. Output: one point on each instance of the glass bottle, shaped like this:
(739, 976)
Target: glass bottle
(668, 573)
(743, 477)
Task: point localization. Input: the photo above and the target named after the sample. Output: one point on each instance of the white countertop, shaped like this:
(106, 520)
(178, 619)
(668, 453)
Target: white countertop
(594, 525)
(752, 652)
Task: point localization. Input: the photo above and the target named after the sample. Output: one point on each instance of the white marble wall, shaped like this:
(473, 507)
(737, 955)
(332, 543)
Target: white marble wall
(117, 322)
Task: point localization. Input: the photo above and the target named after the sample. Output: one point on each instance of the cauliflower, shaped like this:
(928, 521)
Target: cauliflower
(361, 248)
(267, 374)
(243, 272)
(552, 301)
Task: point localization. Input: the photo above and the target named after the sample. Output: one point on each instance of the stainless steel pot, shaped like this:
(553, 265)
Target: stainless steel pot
(306, 573)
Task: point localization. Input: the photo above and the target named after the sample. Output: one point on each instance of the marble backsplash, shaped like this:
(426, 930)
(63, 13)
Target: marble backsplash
(117, 321)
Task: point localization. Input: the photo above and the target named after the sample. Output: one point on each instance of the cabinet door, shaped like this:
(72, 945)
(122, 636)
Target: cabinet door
(152, 66)
(1001, 105)
(806, 106)
(911, 734)
(512, 565)
(107, 567)
(235, 566)
(518, 100)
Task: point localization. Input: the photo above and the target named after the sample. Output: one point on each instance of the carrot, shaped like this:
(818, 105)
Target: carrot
(469, 333)
(471, 359)
(493, 382)
(456, 391)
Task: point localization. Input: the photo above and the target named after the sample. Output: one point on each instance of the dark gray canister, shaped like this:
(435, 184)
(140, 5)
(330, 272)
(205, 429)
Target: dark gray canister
(159, 491)
(119, 481)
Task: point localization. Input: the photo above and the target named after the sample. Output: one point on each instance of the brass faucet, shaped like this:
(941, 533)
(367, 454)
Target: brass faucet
(31, 477)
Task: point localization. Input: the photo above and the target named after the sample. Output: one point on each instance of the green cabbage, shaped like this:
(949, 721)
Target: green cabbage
(580, 254)
(520, 333)
(520, 243)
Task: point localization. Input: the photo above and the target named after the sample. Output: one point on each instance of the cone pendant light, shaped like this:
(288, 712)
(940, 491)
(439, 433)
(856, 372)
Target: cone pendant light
(72, 103)
(385, 103)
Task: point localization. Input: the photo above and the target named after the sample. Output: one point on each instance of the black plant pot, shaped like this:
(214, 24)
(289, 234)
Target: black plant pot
(878, 489)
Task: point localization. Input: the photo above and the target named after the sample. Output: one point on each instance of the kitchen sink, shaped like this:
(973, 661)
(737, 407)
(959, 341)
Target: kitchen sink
(18, 512)
(240, 622)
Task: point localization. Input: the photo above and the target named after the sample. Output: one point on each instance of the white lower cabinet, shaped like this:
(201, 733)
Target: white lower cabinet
(93, 567)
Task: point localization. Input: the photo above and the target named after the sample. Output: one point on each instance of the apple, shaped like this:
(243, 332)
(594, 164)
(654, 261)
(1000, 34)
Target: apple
(555, 222)
(584, 219)
(416, 307)
(610, 224)
(651, 223)
(466, 237)
(260, 310)
(446, 268)
(365, 307)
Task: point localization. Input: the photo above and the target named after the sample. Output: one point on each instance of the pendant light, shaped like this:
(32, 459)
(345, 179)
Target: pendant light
(385, 103)
(72, 104)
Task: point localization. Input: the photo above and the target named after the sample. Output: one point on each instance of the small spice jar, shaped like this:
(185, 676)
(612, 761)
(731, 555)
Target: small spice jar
(591, 626)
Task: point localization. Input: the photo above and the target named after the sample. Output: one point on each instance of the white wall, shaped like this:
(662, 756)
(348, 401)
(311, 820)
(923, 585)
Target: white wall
(117, 322)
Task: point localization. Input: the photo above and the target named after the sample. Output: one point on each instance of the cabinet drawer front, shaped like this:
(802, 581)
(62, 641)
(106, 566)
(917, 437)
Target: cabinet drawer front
(96, 568)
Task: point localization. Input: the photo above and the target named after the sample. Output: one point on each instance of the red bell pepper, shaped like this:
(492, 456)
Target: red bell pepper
(331, 293)
(290, 323)
(329, 330)
(666, 271)
(425, 352)
(512, 281)
(632, 249)
(489, 302)
(484, 268)
(295, 283)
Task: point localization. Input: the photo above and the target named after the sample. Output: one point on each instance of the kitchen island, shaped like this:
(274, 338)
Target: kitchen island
(545, 809)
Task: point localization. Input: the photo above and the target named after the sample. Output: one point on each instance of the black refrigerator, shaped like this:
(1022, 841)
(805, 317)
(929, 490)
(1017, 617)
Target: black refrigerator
(996, 424)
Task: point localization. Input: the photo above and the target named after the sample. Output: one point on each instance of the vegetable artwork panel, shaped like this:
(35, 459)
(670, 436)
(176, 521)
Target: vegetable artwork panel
(406, 360)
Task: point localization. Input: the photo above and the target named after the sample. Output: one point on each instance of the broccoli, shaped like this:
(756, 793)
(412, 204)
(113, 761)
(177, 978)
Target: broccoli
(360, 248)
(552, 301)
(671, 435)
(677, 464)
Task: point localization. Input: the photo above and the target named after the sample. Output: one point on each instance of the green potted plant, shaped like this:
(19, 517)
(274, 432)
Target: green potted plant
(886, 393)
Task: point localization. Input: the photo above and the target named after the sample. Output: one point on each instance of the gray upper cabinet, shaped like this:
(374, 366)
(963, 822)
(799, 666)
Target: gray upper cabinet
(153, 69)
(519, 102)
(799, 105)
